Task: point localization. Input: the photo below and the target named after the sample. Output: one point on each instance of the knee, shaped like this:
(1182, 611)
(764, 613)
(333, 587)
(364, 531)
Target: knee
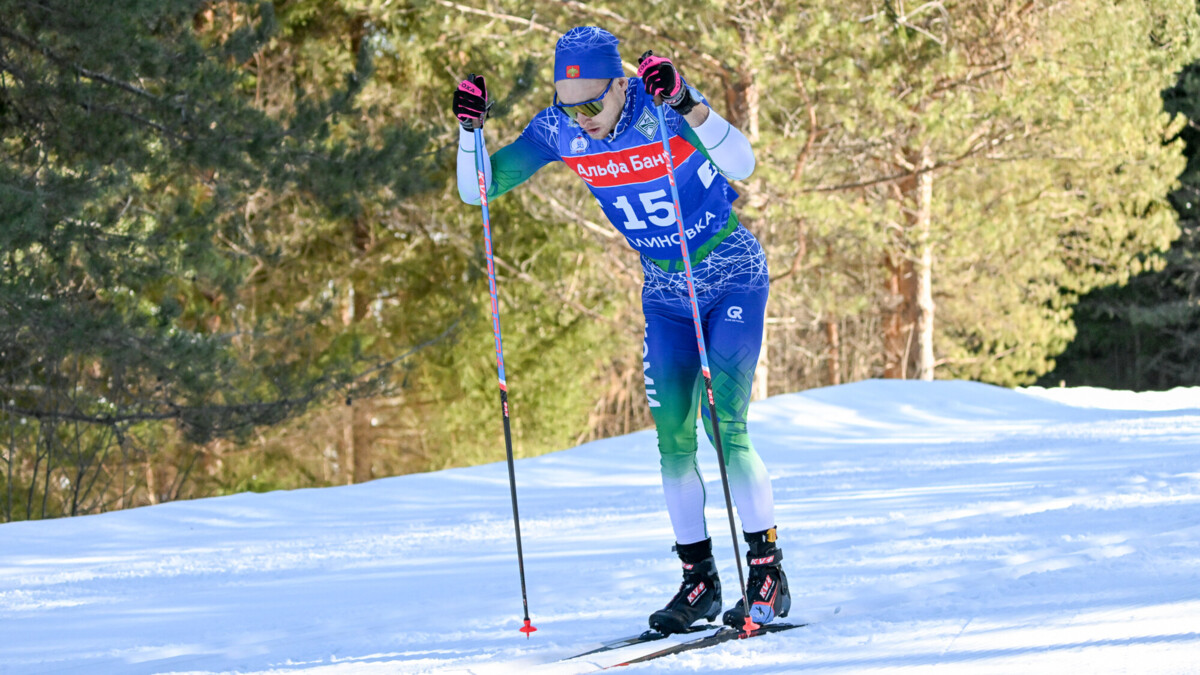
(735, 439)
(677, 465)
(676, 442)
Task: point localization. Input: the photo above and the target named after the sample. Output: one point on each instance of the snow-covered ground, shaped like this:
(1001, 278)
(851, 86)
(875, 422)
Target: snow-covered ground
(928, 527)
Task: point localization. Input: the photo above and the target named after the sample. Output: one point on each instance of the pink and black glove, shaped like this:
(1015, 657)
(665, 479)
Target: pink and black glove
(471, 104)
(661, 79)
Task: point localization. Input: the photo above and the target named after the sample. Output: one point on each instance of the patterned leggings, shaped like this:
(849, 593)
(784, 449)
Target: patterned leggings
(731, 290)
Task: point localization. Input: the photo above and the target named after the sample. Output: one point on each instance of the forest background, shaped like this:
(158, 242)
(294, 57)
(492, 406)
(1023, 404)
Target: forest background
(234, 257)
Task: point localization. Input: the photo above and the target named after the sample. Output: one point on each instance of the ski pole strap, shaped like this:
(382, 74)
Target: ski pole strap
(672, 266)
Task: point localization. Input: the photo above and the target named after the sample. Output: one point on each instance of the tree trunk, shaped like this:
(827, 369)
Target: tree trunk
(356, 432)
(833, 357)
(356, 438)
(897, 313)
(151, 483)
(909, 307)
(924, 268)
(349, 449)
(10, 459)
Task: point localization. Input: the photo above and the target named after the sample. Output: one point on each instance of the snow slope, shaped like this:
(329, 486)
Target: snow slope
(928, 527)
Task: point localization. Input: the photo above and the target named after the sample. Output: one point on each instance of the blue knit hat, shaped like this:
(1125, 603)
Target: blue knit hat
(587, 52)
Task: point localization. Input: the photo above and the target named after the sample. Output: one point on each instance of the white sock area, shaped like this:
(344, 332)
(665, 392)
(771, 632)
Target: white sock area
(685, 503)
(749, 485)
(751, 491)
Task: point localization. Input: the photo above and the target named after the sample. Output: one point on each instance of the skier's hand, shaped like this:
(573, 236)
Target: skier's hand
(660, 77)
(662, 81)
(471, 104)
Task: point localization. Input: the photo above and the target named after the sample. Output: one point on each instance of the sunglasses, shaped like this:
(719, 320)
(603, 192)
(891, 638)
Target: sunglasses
(589, 108)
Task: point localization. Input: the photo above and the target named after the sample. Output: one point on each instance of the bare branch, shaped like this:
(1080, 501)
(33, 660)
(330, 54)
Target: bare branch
(606, 232)
(677, 44)
(977, 148)
(992, 70)
(530, 23)
(801, 251)
(802, 160)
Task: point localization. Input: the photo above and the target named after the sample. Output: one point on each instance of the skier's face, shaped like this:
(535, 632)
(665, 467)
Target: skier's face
(577, 91)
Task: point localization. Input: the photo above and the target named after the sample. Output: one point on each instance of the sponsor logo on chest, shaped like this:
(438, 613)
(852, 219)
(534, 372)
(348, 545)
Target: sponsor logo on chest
(647, 124)
(639, 164)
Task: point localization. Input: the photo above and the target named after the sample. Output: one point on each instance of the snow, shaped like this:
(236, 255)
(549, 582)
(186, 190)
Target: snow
(1095, 397)
(941, 527)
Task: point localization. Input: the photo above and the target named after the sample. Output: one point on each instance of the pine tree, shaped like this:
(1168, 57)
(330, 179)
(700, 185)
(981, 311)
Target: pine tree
(135, 163)
(1146, 335)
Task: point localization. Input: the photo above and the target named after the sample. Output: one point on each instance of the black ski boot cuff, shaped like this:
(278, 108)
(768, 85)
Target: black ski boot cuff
(764, 537)
(692, 554)
(763, 550)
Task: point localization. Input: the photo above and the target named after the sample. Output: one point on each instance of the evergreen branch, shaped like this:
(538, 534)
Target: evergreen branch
(252, 413)
(136, 118)
(66, 63)
(336, 103)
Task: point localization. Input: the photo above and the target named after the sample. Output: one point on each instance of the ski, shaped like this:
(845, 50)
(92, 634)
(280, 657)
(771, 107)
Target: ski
(724, 634)
(648, 636)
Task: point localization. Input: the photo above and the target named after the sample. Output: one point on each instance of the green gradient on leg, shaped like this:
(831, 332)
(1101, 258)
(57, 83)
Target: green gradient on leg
(749, 482)
(683, 485)
(675, 421)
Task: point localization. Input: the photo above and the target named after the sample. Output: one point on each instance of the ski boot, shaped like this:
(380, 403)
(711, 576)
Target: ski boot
(699, 595)
(766, 586)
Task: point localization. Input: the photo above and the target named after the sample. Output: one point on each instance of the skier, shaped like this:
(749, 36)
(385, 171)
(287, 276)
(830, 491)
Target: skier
(603, 126)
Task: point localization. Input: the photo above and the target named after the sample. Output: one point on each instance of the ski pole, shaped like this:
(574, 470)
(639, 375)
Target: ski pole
(712, 405)
(528, 628)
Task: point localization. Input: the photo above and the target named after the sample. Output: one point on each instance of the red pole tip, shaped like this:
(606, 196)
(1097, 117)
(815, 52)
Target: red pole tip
(750, 626)
(527, 629)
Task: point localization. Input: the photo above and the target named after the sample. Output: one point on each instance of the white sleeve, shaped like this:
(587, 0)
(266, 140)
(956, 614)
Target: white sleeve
(729, 149)
(468, 180)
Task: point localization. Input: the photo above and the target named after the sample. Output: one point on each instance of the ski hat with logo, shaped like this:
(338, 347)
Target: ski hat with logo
(587, 53)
